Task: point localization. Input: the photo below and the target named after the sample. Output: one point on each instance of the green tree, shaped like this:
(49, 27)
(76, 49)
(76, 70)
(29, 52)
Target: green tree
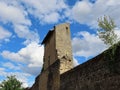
(106, 30)
(11, 83)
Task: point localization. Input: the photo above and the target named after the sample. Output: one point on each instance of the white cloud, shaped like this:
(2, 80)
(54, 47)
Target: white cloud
(51, 18)
(10, 13)
(28, 62)
(117, 31)
(13, 12)
(86, 44)
(81, 10)
(2, 71)
(31, 55)
(24, 32)
(4, 34)
(75, 62)
(12, 56)
(88, 13)
(46, 13)
(10, 66)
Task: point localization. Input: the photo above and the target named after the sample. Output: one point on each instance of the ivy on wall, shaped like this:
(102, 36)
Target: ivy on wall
(111, 57)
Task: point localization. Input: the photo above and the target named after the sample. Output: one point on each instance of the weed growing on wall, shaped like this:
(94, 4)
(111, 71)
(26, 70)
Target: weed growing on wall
(111, 57)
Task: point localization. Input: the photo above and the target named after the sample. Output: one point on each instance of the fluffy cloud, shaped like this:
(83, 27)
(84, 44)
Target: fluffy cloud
(24, 32)
(10, 13)
(10, 66)
(2, 72)
(46, 13)
(86, 44)
(81, 10)
(31, 56)
(13, 12)
(40, 9)
(51, 18)
(88, 13)
(75, 62)
(4, 34)
(117, 31)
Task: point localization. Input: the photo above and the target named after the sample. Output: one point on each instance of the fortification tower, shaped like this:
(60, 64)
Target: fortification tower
(57, 58)
(58, 48)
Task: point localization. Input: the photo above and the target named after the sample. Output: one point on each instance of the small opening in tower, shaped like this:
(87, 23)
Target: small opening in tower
(66, 28)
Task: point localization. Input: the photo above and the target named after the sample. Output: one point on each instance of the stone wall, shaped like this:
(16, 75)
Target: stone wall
(94, 74)
(50, 51)
(57, 58)
(49, 79)
(99, 73)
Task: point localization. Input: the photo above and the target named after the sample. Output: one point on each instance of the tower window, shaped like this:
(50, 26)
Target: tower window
(66, 28)
(67, 31)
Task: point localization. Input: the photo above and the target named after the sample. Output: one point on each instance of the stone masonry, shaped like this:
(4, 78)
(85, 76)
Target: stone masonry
(58, 47)
(57, 58)
(58, 72)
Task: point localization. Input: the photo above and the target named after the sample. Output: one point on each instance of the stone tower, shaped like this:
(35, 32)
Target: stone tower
(57, 57)
(58, 48)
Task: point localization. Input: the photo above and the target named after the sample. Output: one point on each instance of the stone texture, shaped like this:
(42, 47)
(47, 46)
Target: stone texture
(58, 47)
(92, 75)
(57, 58)
(63, 47)
(58, 72)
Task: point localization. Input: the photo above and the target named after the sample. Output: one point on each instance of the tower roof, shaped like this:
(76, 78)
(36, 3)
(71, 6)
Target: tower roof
(47, 36)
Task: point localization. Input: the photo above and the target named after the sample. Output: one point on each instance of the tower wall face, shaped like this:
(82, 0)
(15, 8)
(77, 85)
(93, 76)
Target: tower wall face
(58, 47)
(50, 51)
(63, 47)
(57, 58)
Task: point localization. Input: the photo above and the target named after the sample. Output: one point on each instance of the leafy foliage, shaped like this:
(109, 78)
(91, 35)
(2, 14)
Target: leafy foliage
(106, 31)
(11, 83)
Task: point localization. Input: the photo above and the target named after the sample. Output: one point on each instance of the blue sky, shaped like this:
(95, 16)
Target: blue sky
(24, 24)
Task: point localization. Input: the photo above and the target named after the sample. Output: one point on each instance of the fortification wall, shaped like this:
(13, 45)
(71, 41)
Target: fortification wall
(45, 80)
(99, 73)
(95, 74)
